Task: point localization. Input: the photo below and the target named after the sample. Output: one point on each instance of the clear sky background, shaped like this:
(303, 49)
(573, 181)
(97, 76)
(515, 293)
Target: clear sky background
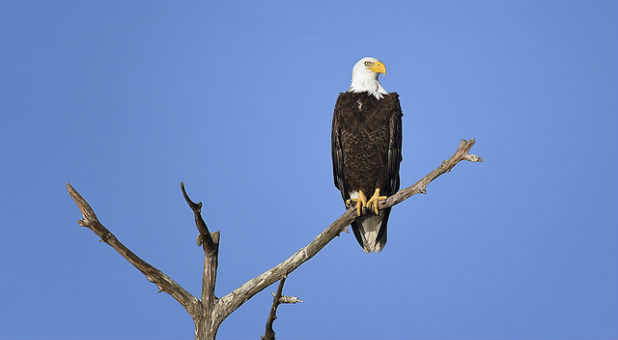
(125, 99)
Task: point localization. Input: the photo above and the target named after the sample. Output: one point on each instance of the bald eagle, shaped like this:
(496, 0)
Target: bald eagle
(366, 150)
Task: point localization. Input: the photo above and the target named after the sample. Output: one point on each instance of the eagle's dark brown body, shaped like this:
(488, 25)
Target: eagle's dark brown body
(366, 150)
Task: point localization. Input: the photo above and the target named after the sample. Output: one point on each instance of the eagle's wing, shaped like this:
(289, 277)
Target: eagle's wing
(337, 150)
(394, 145)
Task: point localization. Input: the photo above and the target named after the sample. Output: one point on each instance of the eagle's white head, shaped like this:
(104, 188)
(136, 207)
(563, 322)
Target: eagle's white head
(365, 77)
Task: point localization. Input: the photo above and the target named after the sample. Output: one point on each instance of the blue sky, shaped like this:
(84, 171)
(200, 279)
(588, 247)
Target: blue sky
(127, 99)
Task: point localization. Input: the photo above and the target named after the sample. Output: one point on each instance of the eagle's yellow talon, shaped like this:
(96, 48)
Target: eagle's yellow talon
(374, 201)
(360, 201)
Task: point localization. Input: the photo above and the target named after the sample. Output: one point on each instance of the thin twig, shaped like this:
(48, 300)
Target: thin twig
(289, 299)
(269, 333)
(154, 275)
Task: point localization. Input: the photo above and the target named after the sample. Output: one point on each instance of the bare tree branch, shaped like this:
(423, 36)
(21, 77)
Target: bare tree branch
(235, 299)
(420, 187)
(154, 275)
(204, 236)
(269, 333)
(205, 327)
(210, 273)
(210, 311)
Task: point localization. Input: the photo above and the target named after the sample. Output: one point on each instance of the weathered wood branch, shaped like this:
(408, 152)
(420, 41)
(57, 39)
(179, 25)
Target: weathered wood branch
(154, 275)
(235, 299)
(269, 332)
(204, 237)
(205, 326)
(209, 312)
(420, 187)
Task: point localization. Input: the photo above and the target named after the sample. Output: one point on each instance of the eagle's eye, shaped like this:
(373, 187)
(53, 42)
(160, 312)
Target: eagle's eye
(368, 63)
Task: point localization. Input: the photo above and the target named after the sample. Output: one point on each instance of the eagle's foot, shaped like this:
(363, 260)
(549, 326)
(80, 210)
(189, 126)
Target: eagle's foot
(360, 201)
(374, 201)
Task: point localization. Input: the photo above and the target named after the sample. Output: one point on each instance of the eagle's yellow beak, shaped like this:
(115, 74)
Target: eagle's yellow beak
(378, 67)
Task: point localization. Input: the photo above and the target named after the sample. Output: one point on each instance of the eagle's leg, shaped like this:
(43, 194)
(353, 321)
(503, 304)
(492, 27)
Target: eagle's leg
(374, 201)
(360, 201)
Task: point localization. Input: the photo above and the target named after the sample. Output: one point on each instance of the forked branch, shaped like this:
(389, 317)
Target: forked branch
(278, 298)
(210, 311)
(269, 332)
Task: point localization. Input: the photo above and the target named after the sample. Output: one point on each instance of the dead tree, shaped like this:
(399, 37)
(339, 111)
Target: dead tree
(209, 311)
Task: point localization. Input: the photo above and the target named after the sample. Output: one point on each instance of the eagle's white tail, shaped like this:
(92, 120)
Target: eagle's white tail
(369, 231)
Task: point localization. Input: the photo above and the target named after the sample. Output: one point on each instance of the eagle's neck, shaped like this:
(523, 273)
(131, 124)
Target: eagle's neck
(367, 82)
